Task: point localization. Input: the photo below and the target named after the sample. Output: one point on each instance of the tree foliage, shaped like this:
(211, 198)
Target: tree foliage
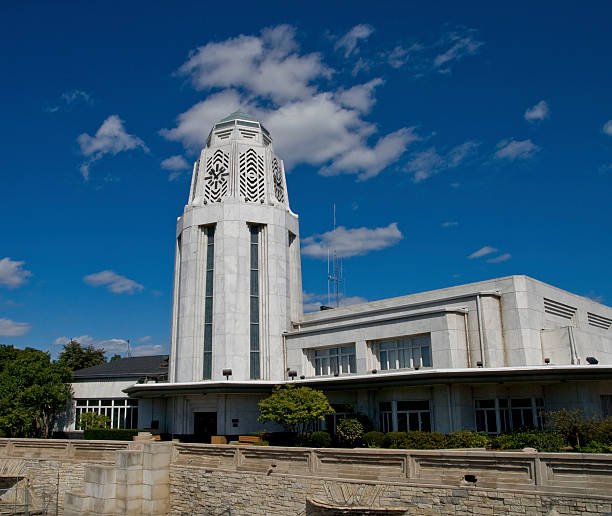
(33, 392)
(295, 408)
(93, 421)
(77, 357)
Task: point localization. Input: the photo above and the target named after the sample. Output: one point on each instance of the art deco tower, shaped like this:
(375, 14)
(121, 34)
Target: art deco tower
(237, 280)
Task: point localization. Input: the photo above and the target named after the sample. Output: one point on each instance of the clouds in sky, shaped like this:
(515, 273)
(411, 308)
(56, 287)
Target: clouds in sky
(268, 76)
(9, 328)
(513, 150)
(114, 345)
(607, 128)
(176, 165)
(538, 112)
(487, 250)
(113, 282)
(110, 138)
(348, 43)
(351, 242)
(12, 273)
(313, 302)
(424, 164)
(68, 99)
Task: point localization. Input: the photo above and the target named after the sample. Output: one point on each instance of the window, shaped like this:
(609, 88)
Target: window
(386, 416)
(123, 413)
(405, 352)
(340, 360)
(254, 300)
(405, 416)
(208, 301)
(413, 415)
(501, 415)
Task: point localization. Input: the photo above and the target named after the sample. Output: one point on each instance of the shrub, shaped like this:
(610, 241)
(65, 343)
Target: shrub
(394, 440)
(350, 432)
(93, 421)
(318, 439)
(374, 439)
(540, 440)
(467, 440)
(108, 434)
(596, 447)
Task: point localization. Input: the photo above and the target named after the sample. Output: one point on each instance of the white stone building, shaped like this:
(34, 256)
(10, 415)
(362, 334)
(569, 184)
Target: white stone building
(488, 355)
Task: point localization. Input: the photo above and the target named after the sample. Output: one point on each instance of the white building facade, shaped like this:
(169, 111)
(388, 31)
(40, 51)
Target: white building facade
(488, 356)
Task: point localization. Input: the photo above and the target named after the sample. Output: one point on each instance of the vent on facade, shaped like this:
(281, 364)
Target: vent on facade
(252, 176)
(559, 309)
(279, 191)
(266, 139)
(215, 178)
(248, 124)
(599, 321)
(224, 135)
(245, 133)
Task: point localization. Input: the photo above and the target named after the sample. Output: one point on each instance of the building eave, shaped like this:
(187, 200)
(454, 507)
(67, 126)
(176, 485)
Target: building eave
(539, 374)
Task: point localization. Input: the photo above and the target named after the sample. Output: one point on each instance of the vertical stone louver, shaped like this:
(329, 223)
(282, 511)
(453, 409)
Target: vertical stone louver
(238, 190)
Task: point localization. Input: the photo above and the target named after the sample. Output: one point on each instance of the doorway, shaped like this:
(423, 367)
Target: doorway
(204, 425)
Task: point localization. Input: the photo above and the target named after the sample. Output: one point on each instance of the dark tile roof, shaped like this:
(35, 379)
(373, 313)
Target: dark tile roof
(153, 366)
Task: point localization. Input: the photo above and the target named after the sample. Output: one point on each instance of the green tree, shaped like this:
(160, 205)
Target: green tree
(33, 392)
(77, 357)
(295, 408)
(115, 357)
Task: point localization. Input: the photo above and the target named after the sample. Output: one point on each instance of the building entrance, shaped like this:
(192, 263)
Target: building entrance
(204, 425)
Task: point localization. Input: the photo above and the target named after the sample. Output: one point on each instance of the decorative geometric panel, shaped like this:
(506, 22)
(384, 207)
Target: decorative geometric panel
(215, 180)
(252, 179)
(279, 191)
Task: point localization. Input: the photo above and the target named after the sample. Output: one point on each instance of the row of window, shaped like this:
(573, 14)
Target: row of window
(123, 413)
(493, 416)
(397, 353)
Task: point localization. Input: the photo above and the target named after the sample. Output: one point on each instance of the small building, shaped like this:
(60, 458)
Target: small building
(488, 356)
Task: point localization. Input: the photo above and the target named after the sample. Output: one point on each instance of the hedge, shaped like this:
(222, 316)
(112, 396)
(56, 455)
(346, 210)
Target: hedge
(108, 434)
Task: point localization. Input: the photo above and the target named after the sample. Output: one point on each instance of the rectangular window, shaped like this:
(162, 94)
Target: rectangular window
(122, 413)
(405, 352)
(386, 416)
(335, 361)
(255, 232)
(413, 415)
(209, 280)
(502, 415)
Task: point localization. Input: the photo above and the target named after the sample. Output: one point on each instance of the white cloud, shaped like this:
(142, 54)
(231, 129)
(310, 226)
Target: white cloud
(175, 164)
(12, 273)
(10, 328)
(370, 161)
(266, 65)
(351, 242)
(313, 302)
(458, 45)
(500, 259)
(516, 149)
(322, 128)
(429, 162)
(68, 98)
(538, 112)
(113, 282)
(348, 43)
(114, 345)
(483, 251)
(450, 224)
(361, 96)
(110, 138)
(607, 128)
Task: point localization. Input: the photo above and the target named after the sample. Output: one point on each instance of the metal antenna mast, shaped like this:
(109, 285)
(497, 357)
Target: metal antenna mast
(334, 274)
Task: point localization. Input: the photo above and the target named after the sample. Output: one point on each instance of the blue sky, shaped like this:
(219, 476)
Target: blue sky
(458, 142)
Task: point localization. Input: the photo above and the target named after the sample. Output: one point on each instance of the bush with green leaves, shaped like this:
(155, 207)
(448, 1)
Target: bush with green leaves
(595, 447)
(416, 440)
(466, 439)
(374, 439)
(317, 439)
(540, 440)
(93, 421)
(350, 432)
(577, 429)
(298, 409)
